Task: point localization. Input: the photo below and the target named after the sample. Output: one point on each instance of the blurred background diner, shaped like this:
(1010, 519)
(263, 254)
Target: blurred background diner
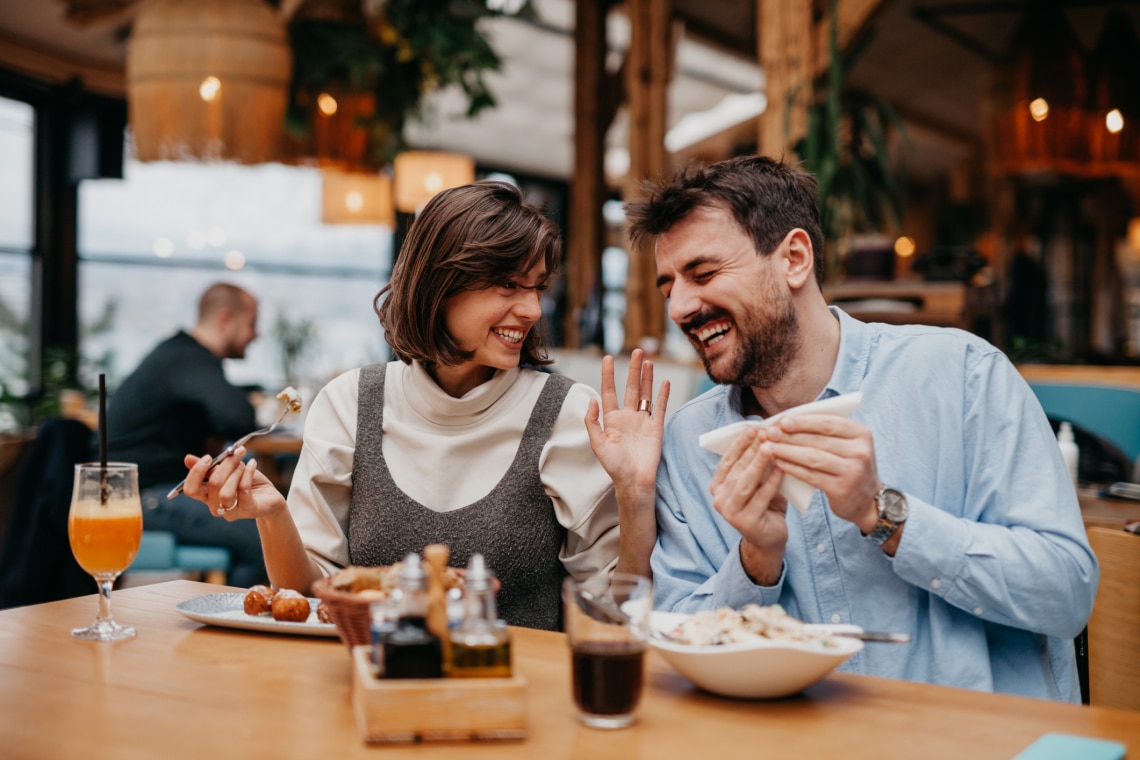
(978, 166)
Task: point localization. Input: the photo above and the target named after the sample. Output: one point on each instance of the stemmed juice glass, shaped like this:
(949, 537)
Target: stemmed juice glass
(104, 528)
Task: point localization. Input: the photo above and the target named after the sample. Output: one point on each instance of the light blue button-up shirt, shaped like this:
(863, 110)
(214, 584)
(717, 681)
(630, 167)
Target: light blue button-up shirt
(993, 576)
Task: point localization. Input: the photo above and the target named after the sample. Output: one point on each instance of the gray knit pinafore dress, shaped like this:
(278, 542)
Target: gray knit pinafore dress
(513, 526)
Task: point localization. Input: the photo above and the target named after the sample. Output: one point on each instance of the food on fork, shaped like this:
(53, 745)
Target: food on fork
(259, 600)
(291, 397)
(290, 606)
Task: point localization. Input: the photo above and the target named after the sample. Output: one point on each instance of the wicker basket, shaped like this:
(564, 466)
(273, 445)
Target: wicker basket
(350, 612)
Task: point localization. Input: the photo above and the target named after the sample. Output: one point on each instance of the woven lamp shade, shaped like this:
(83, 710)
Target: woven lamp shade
(356, 198)
(208, 80)
(1040, 93)
(1114, 70)
(420, 174)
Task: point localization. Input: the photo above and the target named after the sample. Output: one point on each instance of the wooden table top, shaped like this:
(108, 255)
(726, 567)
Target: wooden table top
(183, 690)
(1106, 513)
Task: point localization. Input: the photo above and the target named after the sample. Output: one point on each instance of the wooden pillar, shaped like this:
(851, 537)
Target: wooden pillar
(594, 107)
(649, 68)
(792, 50)
(785, 40)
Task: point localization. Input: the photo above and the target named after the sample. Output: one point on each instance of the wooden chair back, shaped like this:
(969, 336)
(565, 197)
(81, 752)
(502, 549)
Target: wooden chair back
(1114, 630)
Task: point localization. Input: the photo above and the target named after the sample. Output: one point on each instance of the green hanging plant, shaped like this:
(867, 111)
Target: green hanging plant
(398, 56)
(846, 148)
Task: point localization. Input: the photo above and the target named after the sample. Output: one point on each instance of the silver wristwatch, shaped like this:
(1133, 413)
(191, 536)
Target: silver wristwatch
(893, 511)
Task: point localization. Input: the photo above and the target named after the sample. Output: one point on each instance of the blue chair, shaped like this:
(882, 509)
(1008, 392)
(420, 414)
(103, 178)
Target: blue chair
(160, 552)
(1108, 411)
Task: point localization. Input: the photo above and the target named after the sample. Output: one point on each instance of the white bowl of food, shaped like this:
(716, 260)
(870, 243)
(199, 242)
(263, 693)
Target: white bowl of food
(719, 655)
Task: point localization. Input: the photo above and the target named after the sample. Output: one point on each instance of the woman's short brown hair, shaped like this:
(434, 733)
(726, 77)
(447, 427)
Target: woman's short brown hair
(467, 238)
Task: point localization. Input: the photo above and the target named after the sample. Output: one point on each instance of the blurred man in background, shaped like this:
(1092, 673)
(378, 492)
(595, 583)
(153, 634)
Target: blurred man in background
(179, 400)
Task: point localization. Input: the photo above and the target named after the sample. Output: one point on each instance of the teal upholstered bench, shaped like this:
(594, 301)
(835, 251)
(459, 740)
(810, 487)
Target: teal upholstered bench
(159, 551)
(1110, 412)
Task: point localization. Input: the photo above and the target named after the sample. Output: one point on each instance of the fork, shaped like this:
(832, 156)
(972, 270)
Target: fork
(230, 450)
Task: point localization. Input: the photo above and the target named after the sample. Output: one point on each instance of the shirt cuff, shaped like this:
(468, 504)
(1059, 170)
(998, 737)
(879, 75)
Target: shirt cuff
(733, 588)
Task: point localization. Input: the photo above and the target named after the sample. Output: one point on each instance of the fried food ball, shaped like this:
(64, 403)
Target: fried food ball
(290, 606)
(259, 600)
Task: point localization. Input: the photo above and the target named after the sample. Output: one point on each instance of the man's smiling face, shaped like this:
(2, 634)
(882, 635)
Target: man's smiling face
(729, 300)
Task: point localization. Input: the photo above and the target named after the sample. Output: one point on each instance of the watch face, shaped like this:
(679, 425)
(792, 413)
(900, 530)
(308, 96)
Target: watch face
(894, 505)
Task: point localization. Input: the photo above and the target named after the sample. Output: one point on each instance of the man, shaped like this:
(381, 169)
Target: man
(178, 400)
(942, 508)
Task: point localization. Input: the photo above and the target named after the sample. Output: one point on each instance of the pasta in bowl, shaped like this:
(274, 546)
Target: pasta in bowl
(753, 653)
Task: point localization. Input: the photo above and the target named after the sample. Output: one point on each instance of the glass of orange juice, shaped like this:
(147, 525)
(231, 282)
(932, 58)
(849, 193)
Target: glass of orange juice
(104, 527)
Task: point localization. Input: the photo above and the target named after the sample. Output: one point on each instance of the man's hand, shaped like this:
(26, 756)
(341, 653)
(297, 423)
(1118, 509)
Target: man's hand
(746, 492)
(835, 455)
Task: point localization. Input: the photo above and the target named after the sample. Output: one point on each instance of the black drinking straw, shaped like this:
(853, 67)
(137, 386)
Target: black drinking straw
(104, 488)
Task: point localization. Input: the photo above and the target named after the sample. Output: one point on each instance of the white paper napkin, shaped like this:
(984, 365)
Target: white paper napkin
(797, 492)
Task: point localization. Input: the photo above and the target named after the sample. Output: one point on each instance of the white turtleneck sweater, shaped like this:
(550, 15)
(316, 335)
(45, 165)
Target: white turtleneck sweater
(446, 453)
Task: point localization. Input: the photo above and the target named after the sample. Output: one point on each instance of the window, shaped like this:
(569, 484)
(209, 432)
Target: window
(16, 237)
(150, 243)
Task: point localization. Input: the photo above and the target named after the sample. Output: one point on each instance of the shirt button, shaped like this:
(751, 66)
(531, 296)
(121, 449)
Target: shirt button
(978, 611)
(936, 583)
(836, 618)
(820, 548)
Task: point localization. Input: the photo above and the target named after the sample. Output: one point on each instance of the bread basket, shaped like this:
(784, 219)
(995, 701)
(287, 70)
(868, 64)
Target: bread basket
(350, 611)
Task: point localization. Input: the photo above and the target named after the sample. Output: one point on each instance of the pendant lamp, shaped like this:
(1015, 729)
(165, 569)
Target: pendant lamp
(208, 80)
(356, 198)
(1114, 118)
(420, 174)
(1040, 95)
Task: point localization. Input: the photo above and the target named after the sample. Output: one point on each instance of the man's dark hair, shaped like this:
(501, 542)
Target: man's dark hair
(766, 197)
(466, 238)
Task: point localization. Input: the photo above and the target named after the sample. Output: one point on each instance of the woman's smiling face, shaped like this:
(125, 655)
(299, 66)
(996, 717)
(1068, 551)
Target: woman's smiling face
(491, 323)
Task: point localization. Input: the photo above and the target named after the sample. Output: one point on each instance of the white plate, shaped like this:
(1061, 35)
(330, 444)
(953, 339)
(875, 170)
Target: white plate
(228, 611)
(763, 669)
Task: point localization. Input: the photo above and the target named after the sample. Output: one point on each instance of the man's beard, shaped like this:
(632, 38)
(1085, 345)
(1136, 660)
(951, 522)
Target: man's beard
(768, 344)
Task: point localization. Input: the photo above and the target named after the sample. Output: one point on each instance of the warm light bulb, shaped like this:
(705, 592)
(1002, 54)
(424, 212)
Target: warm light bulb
(904, 246)
(433, 182)
(1114, 121)
(235, 260)
(196, 239)
(216, 237)
(1039, 109)
(353, 201)
(210, 88)
(326, 104)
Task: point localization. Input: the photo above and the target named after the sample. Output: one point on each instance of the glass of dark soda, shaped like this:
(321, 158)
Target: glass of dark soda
(607, 624)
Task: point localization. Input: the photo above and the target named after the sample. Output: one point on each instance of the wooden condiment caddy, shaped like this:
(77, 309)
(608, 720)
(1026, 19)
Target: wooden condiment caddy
(435, 709)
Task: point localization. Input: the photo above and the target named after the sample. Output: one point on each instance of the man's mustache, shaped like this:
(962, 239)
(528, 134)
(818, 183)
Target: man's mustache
(701, 319)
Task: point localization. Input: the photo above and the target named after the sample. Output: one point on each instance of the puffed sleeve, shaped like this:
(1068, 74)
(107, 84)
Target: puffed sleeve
(321, 492)
(582, 492)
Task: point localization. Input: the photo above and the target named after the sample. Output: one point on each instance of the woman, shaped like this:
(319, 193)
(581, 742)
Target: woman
(460, 441)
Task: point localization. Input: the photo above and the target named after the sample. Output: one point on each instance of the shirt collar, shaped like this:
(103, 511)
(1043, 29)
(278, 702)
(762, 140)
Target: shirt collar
(851, 361)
